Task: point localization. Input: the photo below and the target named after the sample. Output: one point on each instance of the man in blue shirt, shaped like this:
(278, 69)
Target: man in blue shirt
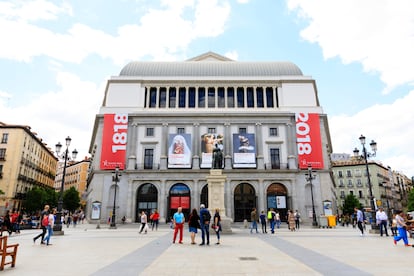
(178, 220)
(360, 220)
(205, 224)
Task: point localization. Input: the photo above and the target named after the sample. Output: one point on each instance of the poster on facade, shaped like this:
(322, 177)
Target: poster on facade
(208, 143)
(280, 202)
(244, 150)
(179, 150)
(308, 140)
(327, 208)
(114, 141)
(96, 210)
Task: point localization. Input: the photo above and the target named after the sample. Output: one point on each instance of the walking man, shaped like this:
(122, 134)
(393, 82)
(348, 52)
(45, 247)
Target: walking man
(254, 218)
(359, 220)
(382, 220)
(178, 221)
(45, 212)
(205, 218)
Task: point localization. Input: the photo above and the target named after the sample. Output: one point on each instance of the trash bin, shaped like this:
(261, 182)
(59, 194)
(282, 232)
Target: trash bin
(322, 222)
(331, 221)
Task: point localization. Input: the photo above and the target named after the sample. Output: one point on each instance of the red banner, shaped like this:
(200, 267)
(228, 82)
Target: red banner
(114, 140)
(308, 140)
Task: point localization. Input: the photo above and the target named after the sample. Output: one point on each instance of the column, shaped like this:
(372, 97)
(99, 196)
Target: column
(196, 147)
(227, 140)
(164, 147)
(259, 146)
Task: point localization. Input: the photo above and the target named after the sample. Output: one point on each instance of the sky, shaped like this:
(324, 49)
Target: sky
(56, 57)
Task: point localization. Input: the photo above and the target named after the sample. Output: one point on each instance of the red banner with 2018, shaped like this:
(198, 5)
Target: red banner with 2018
(308, 140)
(114, 140)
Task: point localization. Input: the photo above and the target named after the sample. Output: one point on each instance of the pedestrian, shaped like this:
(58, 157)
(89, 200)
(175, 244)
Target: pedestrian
(144, 221)
(291, 220)
(49, 227)
(205, 218)
(178, 221)
(44, 213)
(263, 222)
(297, 219)
(271, 219)
(382, 220)
(394, 228)
(193, 224)
(217, 224)
(253, 221)
(359, 220)
(155, 220)
(402, 229)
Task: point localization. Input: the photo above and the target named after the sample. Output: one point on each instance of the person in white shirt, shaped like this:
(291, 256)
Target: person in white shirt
(382, 220)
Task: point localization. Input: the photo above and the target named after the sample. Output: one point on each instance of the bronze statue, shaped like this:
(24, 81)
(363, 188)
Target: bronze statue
(217, 158)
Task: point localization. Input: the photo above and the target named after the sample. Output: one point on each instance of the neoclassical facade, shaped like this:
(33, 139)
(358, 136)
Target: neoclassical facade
(160, 122)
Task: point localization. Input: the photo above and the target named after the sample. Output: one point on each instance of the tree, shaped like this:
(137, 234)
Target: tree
(37, 198)
(71, 199)
(350, 203)
(410, 203)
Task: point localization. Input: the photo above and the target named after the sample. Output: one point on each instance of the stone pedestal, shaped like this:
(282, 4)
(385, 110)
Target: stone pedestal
(215, 181)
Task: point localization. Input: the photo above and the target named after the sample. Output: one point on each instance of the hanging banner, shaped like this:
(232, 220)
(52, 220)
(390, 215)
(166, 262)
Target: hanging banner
(309, 142)
(114, 140)
(244, 150)
(208, 143)
(179, 151)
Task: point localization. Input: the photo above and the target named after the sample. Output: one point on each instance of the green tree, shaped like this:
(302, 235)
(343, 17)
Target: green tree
(350, 203)
(37, 198)
(71, 199)
(410, 203)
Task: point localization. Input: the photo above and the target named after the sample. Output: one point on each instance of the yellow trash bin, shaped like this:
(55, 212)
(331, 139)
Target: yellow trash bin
(331, 221)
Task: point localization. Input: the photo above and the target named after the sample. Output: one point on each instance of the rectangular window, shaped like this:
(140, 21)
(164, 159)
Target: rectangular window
(153, 97)
(212, 130)
(211, 97)
(351, 192)
(2, 154)
(342, 194)
(348, 173)
(273, 131)
(201, 97)
(240, 97)
(149, 132)
(181, 97)
(350, 184)
(163, 97)
(242, 130)
(180, 130)
(191, 97)
(4, 138)
(172, 97)
(230, 97)
(220, 97)
(341, 183)
(250, 97)
(340, 174)
(359, 182)
(275, 158)
(360, 194)
(269, 97)
(259, 95)
(148, 159)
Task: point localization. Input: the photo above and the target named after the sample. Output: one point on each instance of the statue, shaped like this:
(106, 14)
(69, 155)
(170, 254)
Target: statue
(217, 158)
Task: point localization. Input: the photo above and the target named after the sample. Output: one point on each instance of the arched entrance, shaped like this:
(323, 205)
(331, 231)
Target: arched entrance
(277, 199)
(179, 195)
(147, 200)
(244, 201)
(204, 195)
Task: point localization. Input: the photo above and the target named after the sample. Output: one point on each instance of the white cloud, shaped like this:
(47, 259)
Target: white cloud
(390, 125)
(25, 10)
(377, 34)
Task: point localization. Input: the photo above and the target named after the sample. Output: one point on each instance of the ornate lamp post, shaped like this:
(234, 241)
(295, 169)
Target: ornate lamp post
(310, 177)
(365, 155)
(65, 156)
(388, 203)
(115, 177)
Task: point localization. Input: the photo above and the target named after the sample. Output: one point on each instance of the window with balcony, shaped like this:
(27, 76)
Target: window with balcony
(2, 154)
(350, 184)
(4, 138)
(340, 175)
(148, 159)
(348, 173)
(275, 158)
(341, 183)
(360, 194)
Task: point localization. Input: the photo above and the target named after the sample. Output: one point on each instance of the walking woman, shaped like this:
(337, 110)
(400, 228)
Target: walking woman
(217, 224)
(193, 224)
(291, 221)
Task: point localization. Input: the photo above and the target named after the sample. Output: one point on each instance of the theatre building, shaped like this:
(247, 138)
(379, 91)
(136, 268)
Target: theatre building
(160, 122)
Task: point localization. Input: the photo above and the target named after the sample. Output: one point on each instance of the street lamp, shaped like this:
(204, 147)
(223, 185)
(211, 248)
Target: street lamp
(310, 177)
(65, 156)
(115, 178)
(365, 155)
(388, 203)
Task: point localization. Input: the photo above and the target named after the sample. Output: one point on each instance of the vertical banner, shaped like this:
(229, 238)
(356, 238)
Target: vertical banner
(208, 143)
(179, 151)
(244, 150)
(114, 140)
(308, 139)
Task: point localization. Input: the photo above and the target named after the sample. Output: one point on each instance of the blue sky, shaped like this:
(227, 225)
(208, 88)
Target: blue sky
(56, 56)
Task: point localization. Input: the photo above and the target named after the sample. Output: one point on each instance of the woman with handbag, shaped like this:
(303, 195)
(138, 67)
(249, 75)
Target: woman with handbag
(217, 224)
(193, 224)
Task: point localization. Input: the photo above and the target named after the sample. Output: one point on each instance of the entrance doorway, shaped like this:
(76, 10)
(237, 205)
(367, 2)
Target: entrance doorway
(147, 200)
(244, 201)
(179, 196)
(277, 199)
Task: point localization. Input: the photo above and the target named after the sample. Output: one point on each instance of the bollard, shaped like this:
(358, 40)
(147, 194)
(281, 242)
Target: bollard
(245, 223)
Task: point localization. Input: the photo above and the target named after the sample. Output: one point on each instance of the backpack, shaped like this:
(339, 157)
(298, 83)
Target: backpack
(45, 220)
(206, 216)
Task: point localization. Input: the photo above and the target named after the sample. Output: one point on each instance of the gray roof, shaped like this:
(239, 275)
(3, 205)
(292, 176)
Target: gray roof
(210, 69)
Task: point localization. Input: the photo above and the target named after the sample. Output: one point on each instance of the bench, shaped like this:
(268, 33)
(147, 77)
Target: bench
(7, 252)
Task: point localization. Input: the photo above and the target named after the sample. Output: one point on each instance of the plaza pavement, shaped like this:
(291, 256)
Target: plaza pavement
(85, 250)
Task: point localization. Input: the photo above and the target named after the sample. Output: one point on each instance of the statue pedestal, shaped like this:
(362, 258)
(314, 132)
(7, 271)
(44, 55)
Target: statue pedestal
(215, 181)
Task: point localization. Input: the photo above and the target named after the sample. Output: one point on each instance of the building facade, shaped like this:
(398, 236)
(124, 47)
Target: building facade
(25, 162)
(160, 122)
